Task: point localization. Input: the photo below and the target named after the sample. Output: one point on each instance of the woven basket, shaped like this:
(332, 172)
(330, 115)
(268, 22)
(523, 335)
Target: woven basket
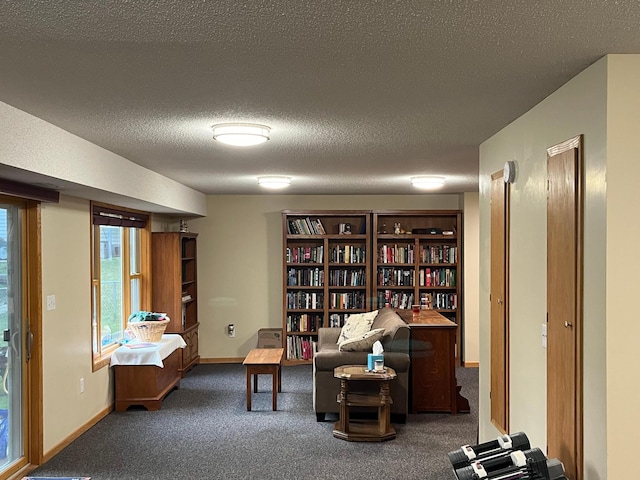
(149, 331)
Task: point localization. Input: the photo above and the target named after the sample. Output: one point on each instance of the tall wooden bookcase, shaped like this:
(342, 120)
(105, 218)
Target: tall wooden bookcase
(327, 274)
(417, 257)
(174, 288)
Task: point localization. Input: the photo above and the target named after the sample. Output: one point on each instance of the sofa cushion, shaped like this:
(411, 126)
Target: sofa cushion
(361, 343)
(357, 325)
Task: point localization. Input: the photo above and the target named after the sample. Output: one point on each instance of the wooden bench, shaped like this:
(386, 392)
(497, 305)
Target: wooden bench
(264, 360)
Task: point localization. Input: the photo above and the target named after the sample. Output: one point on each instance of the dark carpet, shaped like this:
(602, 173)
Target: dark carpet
(204, 431)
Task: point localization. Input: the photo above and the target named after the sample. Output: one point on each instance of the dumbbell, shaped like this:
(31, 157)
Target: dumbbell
(504, 443)
(515, 465)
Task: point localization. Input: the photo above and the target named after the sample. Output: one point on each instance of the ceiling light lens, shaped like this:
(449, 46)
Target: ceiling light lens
(274, 182)
(241, 134)
(427, 182)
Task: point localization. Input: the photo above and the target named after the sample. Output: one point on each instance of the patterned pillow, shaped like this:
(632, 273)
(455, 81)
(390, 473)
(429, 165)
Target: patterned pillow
(362, 343)
(356, 325)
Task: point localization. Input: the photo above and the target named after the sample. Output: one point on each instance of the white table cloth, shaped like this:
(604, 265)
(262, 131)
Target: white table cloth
(148, 355)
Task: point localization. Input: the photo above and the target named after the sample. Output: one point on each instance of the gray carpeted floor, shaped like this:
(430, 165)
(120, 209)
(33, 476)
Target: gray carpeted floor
(204, 431)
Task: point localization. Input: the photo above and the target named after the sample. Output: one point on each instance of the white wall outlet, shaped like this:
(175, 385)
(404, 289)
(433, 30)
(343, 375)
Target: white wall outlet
(82, 385)
(544, 335)
(231, 330)
(51, 302)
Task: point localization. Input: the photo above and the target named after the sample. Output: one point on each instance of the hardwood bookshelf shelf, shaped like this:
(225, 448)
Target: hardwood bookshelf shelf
(174, 276)
(334, 258)
(419, 262)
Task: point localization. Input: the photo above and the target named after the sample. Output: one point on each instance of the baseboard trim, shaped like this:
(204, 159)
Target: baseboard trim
(470, 364)
(222, 360)
(74, 435)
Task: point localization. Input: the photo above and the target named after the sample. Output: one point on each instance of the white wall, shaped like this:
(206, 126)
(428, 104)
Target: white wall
(623, 265)
(240, 263)
(579, 107)
(66, 331)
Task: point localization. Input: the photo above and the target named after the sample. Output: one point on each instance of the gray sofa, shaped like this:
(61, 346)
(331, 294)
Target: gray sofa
(326, 357)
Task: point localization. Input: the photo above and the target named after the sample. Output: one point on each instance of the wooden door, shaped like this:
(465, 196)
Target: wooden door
(499, 299)
(564, 305)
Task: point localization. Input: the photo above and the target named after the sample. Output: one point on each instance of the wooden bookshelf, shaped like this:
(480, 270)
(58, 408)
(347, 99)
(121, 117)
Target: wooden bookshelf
(417, 257)
(175, 288)
(327, 272)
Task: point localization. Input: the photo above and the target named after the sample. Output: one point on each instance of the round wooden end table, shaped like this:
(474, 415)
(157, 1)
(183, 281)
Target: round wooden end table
(349, 396)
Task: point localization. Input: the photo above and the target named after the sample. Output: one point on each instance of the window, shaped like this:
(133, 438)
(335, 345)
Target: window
(119, 275)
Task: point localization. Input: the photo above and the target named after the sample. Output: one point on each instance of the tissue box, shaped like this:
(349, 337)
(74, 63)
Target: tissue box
(270, 338)
(371, 360)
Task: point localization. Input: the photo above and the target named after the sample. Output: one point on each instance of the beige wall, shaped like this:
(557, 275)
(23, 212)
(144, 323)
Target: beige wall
(623, 265)
(579, 107)
(471, 278)
(66, 346)
(240, 263)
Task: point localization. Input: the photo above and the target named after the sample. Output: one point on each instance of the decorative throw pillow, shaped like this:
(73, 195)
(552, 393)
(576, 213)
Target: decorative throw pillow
(356, 325)
(362, 343)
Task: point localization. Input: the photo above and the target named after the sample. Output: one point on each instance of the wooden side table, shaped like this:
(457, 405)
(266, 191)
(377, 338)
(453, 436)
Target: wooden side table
(364, 430)
(264, 360)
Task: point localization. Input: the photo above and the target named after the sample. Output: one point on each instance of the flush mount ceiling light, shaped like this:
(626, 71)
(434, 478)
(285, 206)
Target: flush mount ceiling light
(241, 134)
(427, 182)
(274, 182)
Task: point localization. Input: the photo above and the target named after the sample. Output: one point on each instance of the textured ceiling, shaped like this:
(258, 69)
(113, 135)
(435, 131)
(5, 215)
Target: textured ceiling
(360, 95)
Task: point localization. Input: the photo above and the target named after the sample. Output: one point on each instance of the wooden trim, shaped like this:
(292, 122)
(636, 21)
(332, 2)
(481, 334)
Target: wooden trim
(28, 192)
(578, 141)
(76, 433)
(572, 143)
(34, 312)
(222, 360)
(471, 364)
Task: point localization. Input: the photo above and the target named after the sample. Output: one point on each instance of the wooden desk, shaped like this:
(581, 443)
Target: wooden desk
(434, 387)
(364, 430)
(264, 360)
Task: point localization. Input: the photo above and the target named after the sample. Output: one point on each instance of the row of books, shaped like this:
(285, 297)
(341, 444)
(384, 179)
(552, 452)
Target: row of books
(396, 253)
(348, 277)
(305, 277)
(299, 347)
(437, 277)
(394, 299)
(396, 277)
(338, 319)
(304, 322)
(347, 301)
(305, 254)
(438, 254)
(305, 226)
(445, 301)
(305, 300)
(348, 254)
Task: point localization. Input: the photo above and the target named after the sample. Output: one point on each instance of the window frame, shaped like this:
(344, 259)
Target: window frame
(101, 355)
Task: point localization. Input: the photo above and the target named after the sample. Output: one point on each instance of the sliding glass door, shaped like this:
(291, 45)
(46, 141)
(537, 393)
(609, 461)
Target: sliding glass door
(12, 335)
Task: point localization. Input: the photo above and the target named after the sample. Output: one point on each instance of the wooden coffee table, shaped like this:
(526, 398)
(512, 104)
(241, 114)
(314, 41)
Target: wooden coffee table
(264, 360)
(364, 430)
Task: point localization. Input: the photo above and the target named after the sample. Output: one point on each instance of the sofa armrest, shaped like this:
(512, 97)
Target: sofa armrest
(327, 336)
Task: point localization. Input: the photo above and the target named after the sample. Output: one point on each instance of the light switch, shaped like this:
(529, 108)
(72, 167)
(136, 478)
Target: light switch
(51, 302)
(544, 335)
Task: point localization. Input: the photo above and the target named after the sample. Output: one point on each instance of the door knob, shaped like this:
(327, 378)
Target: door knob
(499, 301)
(567, 324)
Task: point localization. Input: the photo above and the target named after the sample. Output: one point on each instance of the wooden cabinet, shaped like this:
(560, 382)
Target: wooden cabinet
(326, 270)
(174, 288)
(418, 259)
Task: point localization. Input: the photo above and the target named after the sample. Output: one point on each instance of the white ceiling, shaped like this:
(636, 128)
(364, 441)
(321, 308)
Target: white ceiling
(360, 95)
